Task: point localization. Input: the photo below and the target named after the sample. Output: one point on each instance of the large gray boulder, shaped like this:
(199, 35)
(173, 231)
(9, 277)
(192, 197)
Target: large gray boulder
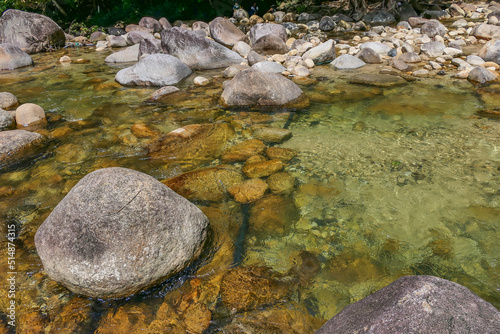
(149, 46)
(347, 62)
(482, 75)
(135, 37)
(151, 23)
(29, 31)
(486, 31)
(262, 29)
(14, 144)
(491, 51)
(433, 49)
(270, 45)
(225, 32)
(117, 232)
(130, 54)
(380, 17)
(197, 52)
(417, 304)
(256, 88)
(154, 70)
(369, 56)
(327, 23)
(433, 28)
(12, 57)
(269, 66)
(323, 53)
(380, 48)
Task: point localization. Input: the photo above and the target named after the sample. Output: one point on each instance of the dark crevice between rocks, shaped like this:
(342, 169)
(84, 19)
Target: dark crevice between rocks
(239, 243)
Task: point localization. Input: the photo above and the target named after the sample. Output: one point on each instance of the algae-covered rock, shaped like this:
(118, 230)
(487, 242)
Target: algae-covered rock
(249, 191)
(243, 150)
(262, 169)
(273, 215)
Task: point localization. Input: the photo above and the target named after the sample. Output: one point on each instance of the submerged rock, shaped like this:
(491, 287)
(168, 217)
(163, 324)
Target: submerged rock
(12, 57)
(273, 215)
(192, 145)
(154, 70)
(29, 31)
(15, 143)
(115, 220)
(210, 184)
(263, 168)
(197, 52)
(419, 304)
(378, 80)
(243, 151)
(248, 191)
(256, 88)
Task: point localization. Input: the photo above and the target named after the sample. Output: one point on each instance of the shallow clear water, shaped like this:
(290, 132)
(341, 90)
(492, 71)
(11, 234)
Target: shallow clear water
(389, 182)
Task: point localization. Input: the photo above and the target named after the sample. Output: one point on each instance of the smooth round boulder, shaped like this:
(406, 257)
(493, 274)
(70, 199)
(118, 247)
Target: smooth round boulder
(117, 232)
(262, 29)
(491, 51)
(433, 28)
(482, 75)
(12, 57)
(29, 113)
(154, 70)
(417, 304)
(8, 100)
(225, 32)
(346, 62)
(270, 45)
(256, 88)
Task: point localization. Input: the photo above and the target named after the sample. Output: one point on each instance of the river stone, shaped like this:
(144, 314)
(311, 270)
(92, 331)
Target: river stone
(154, 70)
(210, 184)
(281, 182)
(378, 80)
(380, 48)
(226, 33)
(273, 215)
(232, 70)
(433, 49)
(272, 135)
(491, 51)
(165, 24)
(248, 191)
(405, 11)
(242, 48)
(200, 25)
(15, 143)
(29, 113)
(12, 57)
(164, 91)
(256, 88)
(112, 222)
(240, 14)
(486, 31)
(381, 17)
(195, 51)
(327, 23)
(116, 41)
(149, 46)
(6, 120)
(433, 28)
(410, 57)
(369, 56)
(192, 145)
(399, 64)
(345, 62)
(417, 304)
(262, 29)
(29, 31)
(130, 54)
(263, 168)
(436, 14)
(253, 58)
(270, 45)
(323, 53)
(8, 100)
(243, 151)
(151, 23)
(474, 60)
(482, 75)
(135, 37)
(280, 153)
(269, 66)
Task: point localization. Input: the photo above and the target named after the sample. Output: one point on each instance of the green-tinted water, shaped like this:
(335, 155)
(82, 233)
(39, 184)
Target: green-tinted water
(389, 182)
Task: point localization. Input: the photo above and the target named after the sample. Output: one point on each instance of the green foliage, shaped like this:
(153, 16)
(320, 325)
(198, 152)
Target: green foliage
(80, 29)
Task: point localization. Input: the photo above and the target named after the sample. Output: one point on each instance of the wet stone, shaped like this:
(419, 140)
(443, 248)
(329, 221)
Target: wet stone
(248, 191)
(377, 80)
(280, 153)
(247, 288)
(281, 182)
(144, 131)
(272, 135)
(74, 316)
(209, 184)
(126, 319)
(243, 151)
(273, 215)
(263, 169)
